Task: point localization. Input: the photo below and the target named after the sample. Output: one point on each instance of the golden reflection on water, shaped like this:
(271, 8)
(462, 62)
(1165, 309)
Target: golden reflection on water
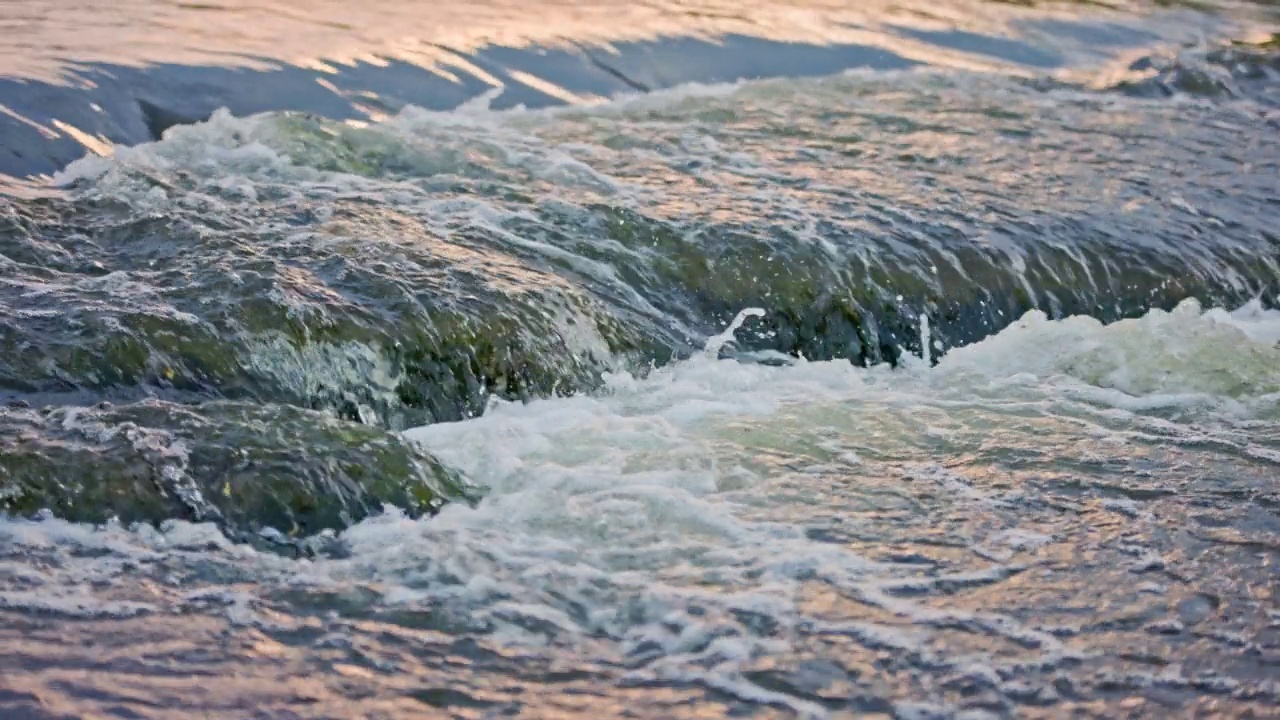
(59, 42)
(45, 40)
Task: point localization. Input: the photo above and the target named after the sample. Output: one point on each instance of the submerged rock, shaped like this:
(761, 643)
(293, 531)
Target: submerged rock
(368, 313)
(244, 466)
(860, 298)
(290, 289)
(407, 272)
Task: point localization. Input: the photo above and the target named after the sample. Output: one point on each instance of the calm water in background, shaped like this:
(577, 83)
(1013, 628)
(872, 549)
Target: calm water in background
(48, 41)
(923, 480)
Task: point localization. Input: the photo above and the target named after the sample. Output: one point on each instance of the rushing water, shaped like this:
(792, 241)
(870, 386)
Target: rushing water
(1065, 519)
(936, 392)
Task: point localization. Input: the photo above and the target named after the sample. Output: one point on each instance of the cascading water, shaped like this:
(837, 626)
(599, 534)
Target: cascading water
(945, 392)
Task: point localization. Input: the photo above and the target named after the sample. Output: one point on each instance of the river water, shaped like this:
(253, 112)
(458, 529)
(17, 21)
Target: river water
(946, 388)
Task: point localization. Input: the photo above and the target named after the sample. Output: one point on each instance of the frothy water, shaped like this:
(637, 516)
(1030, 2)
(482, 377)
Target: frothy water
(941, 393)
(1066, 515)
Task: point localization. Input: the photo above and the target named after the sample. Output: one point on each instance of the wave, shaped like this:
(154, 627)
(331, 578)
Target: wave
(418, 270)
(714, 524)
(1237, 70)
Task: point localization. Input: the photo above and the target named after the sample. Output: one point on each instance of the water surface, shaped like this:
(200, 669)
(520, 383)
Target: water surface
(945, 386)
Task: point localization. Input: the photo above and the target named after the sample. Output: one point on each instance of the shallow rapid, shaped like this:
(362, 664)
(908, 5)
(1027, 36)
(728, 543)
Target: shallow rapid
(933, 392)
(1066, 518)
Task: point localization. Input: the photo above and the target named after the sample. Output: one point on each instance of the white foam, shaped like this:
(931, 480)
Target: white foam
(1183, 357)
(716, 342)
(660, 512)
(631, 486)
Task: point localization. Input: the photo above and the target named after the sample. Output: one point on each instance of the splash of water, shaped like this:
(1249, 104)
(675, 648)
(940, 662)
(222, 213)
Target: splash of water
(716, 342)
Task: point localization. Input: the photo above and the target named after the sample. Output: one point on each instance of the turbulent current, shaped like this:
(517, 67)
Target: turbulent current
(920, 393)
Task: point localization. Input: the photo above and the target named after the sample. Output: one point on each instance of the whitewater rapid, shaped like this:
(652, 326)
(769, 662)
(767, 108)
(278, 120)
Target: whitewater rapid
(759, 533)
(939, 391)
